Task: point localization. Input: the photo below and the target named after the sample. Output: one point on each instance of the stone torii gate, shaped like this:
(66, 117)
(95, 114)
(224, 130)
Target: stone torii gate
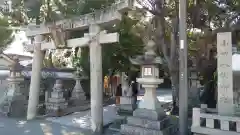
(94, 21)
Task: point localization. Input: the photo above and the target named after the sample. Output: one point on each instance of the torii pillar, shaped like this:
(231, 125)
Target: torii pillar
(35, 78)
(96, 80)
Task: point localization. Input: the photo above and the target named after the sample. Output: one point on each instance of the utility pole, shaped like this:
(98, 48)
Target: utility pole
(183, 54)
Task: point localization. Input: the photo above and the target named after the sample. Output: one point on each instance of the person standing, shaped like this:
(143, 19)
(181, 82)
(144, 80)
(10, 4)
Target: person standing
(118, 94)
(106, 88)
(134, 91)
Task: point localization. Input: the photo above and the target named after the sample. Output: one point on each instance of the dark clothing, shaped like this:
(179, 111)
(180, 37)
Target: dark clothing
(134, 89)
(119, 90)
(209, 94)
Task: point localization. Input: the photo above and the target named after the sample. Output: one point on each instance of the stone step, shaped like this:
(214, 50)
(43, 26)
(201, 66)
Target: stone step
(135, 130)
(146, 123)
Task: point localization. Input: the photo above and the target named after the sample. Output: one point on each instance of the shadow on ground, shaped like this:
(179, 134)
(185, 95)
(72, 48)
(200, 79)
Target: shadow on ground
(10, 126)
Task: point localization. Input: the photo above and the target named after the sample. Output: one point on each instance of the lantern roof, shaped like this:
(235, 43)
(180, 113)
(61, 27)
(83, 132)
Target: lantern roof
(149, 57)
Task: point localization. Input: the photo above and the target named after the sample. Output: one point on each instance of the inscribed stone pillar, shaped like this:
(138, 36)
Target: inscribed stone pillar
(96, 80)
(35, 78)
(225, 76)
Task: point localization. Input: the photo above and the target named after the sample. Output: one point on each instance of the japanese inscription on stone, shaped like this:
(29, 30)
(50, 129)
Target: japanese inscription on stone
(225, 77)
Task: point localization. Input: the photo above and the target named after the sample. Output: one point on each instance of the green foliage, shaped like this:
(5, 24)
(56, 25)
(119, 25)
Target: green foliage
(116, 56)
(6, 35)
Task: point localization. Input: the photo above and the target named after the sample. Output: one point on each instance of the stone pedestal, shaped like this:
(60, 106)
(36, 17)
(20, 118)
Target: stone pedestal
(14, 103)
(56, 104)
(148, 122)
(149, 118)
(127, 105)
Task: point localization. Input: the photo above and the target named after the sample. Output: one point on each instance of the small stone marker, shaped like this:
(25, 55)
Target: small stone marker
(225, 75)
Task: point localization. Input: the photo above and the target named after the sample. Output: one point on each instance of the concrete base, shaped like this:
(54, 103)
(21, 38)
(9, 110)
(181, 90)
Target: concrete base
(148, 122)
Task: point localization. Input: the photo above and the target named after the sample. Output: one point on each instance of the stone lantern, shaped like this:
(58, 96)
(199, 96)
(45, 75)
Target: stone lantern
(15, 102)
(149, 117)
(150, 77)
(78, 95)
(15, 78)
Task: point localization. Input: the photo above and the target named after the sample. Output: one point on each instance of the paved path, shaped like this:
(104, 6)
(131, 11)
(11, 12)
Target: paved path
(10, 126)
(37, 127)
(75, 124)
(83, 119)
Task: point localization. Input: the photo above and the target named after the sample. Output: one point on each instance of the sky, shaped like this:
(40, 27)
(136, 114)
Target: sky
(16, 47)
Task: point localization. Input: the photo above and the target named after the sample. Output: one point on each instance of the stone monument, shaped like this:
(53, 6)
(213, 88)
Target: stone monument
(127, 103)
(56, 104)
(224, 120)
(149, 118)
